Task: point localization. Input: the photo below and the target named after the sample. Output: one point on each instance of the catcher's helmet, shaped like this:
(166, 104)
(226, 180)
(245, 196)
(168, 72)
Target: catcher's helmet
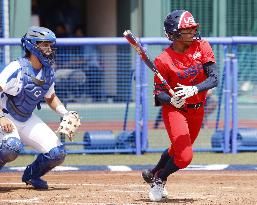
(179, 19)
(30, 41)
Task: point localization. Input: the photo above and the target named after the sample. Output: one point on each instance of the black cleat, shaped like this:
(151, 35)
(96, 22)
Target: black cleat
(37, 183)
(148, 176)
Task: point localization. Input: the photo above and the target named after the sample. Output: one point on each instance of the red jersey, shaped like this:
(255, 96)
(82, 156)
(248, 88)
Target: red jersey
(185, 68)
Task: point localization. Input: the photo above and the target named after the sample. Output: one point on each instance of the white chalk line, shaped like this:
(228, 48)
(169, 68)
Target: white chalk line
(83, 184)
(37, 200)
(52, 174)
(124, 191)
(33, 201)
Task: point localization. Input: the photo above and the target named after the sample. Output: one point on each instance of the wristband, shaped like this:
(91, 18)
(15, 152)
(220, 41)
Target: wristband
(61, 110)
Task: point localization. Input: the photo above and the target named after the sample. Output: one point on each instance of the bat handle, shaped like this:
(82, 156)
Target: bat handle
(171, 92)
(164, 82)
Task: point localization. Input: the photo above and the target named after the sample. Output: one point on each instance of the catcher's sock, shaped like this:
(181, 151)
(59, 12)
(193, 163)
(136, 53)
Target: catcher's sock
(169, 168)
(162, 162)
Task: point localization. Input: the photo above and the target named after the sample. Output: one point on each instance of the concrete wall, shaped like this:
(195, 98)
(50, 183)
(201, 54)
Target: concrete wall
(20, 17)
(102, 18)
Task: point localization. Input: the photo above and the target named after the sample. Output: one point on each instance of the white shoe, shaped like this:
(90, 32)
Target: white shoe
(156, 190)
(164, 193)
(149, 178)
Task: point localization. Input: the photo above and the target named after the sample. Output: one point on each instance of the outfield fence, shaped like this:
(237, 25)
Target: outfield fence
(106, 82)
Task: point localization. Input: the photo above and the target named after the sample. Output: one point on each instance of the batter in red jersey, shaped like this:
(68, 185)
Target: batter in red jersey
(189, 67)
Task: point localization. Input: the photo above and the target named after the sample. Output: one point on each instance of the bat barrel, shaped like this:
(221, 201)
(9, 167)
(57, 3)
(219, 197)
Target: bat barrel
(142, 53)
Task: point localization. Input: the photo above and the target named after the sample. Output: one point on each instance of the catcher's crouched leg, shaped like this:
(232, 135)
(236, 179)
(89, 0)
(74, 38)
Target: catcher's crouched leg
(43, 164)
(9, 150)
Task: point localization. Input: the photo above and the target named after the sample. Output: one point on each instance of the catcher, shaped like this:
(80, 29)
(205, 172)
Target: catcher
(24, 83)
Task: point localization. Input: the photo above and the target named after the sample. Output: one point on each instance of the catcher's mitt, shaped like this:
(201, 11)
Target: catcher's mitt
(69, 124)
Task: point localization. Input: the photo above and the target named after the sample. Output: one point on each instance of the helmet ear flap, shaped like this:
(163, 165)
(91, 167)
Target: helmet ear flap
(166, 35)
(176, 35)
(173, 36)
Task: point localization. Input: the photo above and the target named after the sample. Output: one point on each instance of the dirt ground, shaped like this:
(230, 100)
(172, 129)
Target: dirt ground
(127, 188)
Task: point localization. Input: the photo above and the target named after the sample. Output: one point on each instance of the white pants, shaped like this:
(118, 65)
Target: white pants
(34, 133)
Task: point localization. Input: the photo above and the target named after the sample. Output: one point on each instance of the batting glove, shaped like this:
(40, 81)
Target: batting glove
(185, 92)
(177, 102)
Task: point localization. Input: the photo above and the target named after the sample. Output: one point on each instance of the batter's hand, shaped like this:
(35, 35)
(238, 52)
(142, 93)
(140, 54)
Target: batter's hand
(184, 91)
(177, 102)
(6, 125)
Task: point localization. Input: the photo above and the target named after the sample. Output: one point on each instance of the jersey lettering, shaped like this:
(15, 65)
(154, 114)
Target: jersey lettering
(37, 93)
(190, 72)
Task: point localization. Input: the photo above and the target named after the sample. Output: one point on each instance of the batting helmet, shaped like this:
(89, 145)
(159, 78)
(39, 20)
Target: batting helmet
(179, 19)
(30, 41)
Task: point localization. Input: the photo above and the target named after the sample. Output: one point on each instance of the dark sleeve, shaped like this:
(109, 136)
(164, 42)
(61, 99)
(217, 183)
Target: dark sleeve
(162, 98)
(211, 81)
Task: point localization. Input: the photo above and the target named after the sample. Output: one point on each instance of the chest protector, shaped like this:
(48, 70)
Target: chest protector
(32, 91)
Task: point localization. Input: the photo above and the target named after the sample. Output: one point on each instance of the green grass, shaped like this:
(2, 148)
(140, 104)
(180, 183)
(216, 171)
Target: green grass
(149, 158)
(157, 138)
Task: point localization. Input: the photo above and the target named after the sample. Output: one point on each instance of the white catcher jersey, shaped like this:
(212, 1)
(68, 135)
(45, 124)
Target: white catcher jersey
(34, 132)
(10, 79)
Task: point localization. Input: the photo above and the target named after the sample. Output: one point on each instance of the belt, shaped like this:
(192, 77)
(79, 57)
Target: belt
(194, 106)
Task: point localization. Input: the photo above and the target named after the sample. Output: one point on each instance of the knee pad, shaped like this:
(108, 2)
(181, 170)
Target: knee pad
(183, 164)
(45, 162)
(184, 160)
(54, 157)
(57, 153)
(9, 150)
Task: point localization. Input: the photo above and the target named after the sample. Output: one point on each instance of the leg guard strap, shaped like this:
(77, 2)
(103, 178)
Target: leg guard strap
(45, 162)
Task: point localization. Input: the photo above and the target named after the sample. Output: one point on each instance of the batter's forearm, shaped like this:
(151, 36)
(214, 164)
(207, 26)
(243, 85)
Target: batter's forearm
(163, 98)
(212, 78)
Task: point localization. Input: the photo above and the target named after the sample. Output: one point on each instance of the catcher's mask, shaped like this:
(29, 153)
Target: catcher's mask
(40, 42)
(177, 20)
